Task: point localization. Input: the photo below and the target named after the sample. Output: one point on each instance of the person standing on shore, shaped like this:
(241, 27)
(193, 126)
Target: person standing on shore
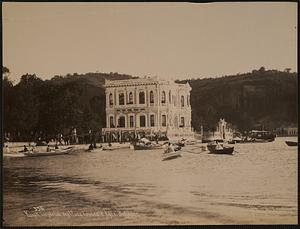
(156, 139)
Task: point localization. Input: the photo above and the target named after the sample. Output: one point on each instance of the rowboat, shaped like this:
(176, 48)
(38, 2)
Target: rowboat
(224, 150)
(291, 143)
(215, 149)
(145, 146)
(170, 153)
(51, 153)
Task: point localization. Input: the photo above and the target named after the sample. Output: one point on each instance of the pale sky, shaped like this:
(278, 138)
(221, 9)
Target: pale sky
(170, 40)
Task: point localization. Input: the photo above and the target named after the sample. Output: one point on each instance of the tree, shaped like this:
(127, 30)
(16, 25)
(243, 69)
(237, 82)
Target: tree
(5, 70)
(5, 73)
(8, 104)
(262, 69)
(25, 110)
(287, 70)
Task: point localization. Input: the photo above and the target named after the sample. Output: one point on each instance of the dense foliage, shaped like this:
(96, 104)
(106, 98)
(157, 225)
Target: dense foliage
(260, 99)
(43, 108)
(35, 108)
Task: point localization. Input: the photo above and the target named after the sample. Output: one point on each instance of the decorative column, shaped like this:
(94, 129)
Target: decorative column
(115, 98)
(135, 96)
(134, 124)
(126, 96)
(146, 96)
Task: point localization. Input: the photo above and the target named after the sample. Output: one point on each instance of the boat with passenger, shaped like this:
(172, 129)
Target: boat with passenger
(170, 152)
(217, 148)
(144, 144)
(52, 152)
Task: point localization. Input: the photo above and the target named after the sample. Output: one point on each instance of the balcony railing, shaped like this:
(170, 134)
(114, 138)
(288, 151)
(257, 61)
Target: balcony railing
(136, 129)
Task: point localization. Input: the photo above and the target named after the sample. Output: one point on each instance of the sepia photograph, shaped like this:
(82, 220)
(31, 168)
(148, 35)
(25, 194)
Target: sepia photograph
(149, 113)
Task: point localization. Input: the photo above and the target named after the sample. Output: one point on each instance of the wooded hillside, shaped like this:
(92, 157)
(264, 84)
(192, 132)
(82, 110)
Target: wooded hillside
(36, 107)
(260, 99)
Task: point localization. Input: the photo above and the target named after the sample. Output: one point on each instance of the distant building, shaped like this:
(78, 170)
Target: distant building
(147, 107)
(291, 131)
(287, 131)
(223, 132)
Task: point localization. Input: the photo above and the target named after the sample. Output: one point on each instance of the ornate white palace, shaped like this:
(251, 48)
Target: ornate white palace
(147, 107)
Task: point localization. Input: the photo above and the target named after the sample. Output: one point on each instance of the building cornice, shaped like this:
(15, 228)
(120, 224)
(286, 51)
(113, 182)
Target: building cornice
(141, 82)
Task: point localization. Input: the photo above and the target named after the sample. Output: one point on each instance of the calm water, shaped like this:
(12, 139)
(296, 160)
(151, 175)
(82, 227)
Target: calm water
(256, 185)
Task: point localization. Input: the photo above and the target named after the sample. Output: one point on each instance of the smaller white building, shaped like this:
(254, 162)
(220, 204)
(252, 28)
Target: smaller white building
(291, 131)
(287, 131)
(223, 132)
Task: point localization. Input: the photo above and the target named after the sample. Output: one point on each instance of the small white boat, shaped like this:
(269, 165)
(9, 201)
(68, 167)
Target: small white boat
(170, 153)
(51, 153)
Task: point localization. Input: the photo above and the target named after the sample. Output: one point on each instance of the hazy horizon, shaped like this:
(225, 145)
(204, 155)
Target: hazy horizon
(170, 40)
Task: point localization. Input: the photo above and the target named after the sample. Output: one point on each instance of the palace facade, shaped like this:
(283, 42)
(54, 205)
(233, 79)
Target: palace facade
(147, 107)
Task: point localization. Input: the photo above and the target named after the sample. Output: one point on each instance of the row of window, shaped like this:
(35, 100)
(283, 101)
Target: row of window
(142, 98)
(142, 119)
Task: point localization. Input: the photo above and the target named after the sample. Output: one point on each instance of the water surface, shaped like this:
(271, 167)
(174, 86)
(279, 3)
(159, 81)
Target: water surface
(256, 185)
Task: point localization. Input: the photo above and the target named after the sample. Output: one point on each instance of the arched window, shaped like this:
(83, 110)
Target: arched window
(170, 100)
(121, 99)
(142, 97)
(151, 97)
(111, 122)
(182, 101)
(163, 97)
(142, 121)
(121, 122)
(130, 98)
(111, 101)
